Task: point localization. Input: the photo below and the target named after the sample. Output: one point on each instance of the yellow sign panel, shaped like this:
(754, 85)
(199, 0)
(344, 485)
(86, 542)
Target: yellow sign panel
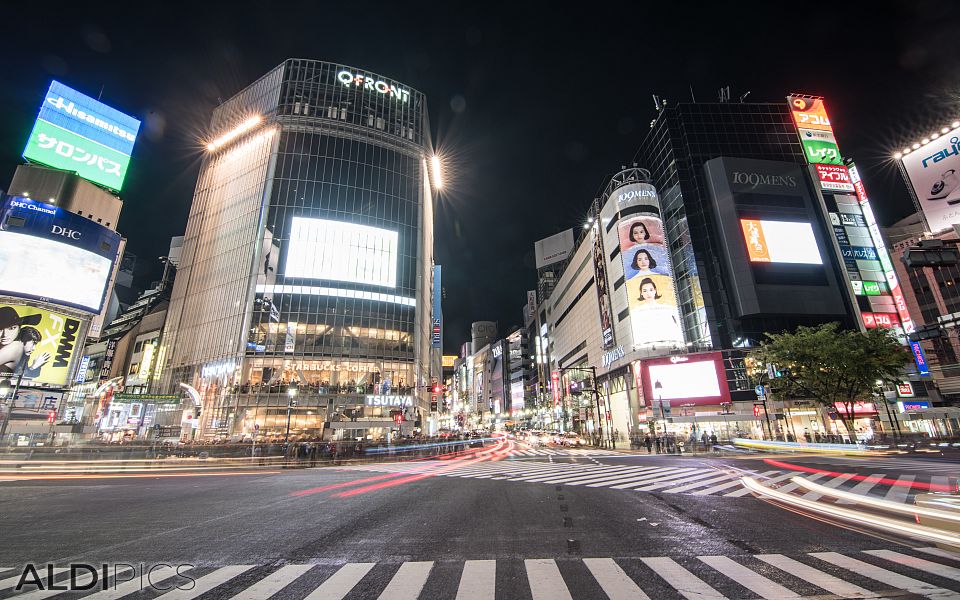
(448, 360)
(38, 343)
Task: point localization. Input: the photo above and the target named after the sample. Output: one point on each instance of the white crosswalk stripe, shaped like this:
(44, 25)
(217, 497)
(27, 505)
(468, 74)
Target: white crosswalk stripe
(10, 582)
(898, 492)
(864, 486)
(768, 576)
(82, 580)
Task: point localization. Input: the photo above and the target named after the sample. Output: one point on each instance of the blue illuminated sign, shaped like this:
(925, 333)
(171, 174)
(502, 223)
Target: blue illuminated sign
(919, 358)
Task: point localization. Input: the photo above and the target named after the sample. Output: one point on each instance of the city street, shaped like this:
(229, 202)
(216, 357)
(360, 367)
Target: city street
(510, 521)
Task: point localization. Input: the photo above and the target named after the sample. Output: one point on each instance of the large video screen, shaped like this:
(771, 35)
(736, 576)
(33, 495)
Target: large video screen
(50, 254)
(75, 132)
(334, 250)
(692, 378)
(780, 242)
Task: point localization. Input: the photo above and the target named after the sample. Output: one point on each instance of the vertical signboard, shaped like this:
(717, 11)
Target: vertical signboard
(436, 331)
(76, 133)
(647, 269)
(603, 295)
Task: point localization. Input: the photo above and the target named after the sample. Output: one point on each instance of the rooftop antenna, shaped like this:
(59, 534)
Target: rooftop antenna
(100, 95)
(656, 103)
(692, 97)
(724, 94)
(744, 96)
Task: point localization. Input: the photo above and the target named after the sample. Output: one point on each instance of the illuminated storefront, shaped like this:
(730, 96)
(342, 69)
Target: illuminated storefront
(317, 273)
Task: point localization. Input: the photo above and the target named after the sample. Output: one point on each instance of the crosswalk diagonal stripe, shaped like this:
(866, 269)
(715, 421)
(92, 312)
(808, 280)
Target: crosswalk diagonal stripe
(545, 580)
(746, 491)
(884, 576)
(340, 583)
(833, 483)
(206, 583)
(726, 486)
(668, 481)
(921, 564)
(899, 491)
(594, 479)
(408, 581)
(613, 581)
(273, 583)
(568, 477)
(629, 482)
(864, 486)
(478, 580)
(696, 484)
(753, 581)
(792, 486)
(832, 584)
(150, 578)
(686, 583)
(82, 580)
(939, 552)
(10, 582)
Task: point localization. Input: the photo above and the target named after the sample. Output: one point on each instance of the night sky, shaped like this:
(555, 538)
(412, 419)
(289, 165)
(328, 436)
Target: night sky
(531, 106)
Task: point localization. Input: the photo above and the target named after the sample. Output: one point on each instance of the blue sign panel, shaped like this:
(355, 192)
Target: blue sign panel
(67, 108)
(919, 358)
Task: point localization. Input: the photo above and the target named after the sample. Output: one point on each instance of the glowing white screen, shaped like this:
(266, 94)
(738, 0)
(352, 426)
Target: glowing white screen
(785, 242)
(321, 249)
(36, 266)
(685, 380)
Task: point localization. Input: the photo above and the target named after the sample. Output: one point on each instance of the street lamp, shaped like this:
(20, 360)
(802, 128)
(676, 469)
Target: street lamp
(291, 402)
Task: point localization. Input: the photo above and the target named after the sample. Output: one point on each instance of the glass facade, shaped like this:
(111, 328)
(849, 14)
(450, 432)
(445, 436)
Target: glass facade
(681, 140)
(308, 256)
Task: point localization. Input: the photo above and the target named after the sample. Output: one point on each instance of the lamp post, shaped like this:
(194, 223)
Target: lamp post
(291, 402)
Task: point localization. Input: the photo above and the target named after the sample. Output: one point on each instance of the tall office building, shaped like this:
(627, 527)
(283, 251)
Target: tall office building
(307, 260)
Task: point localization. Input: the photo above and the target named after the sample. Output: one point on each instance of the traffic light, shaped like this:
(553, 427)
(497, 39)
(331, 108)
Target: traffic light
(51, 416)
(930, 253)
(756, 410)
(437, 389)
(398, 418)
(926, 332)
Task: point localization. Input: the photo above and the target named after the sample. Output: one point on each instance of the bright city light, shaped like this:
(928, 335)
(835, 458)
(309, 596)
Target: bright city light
(234, 133)
(437, 175)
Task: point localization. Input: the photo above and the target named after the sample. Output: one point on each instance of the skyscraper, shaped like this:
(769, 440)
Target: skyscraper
(307, 259)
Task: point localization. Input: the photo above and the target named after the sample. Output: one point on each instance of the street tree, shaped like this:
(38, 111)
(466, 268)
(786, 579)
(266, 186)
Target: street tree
(832, 366)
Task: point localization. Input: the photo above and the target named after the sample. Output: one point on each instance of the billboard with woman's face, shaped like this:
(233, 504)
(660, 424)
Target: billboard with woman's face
(647, 270)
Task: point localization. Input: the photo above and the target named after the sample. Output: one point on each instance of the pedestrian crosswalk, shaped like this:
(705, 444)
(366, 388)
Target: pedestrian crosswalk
(526, 451)
(679, 479)
(880, 573)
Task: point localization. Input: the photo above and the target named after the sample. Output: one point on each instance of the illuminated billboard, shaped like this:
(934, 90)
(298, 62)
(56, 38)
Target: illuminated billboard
(647, 270)
(820, 147)
(688, 379)
(780, 242)
(321, 249)
(50, 254)
(76, 133)
(554, 248)
(603, 297)
(934, 173)
(834, 178)
(809, 113)
(37, 343)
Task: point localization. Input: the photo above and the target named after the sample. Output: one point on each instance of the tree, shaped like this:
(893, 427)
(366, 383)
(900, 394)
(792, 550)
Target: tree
(830, 365)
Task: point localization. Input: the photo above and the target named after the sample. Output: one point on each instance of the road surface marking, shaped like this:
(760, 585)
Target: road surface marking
(605, 473)
(614, 582)
(753, 581)
(939, 552)
(478, 580)
(273, 583)
(746, 491)
(696, 484)
(917, 563)
(863, 487)
(832, 584)
(726, 486)
(340, 583)
(899, 491)
(563, 473)
(689, 585)
(207, 583)
(135, 585)
(890, 578)
(85, 579)
(606, 476)
(792, 486)
(686, 478)
(634, 480)
(835, 482)
(546, 583)
(408, 581)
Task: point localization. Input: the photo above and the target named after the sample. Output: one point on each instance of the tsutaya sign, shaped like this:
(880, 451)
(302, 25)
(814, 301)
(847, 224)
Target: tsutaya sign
(368, 82)
(378, 400)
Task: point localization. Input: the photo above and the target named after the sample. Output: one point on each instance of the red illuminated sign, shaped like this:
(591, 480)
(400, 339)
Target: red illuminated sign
(905, 389)
(809, 113)
(834, 178)
(873, 320)
(859, 408)
(555, 379)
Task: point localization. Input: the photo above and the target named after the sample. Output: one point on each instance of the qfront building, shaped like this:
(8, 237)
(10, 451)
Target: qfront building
(301, 305)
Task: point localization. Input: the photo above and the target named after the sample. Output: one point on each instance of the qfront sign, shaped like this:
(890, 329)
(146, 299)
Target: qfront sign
(372, 83)
(386, 400)
(76, 133)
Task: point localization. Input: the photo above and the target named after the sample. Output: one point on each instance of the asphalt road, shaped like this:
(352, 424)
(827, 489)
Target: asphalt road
(428, 529)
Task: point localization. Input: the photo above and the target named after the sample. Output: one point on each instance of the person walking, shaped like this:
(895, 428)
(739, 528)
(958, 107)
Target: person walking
(648, 442)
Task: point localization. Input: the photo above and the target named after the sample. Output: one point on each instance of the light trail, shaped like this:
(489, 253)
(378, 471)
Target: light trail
(932, 487)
